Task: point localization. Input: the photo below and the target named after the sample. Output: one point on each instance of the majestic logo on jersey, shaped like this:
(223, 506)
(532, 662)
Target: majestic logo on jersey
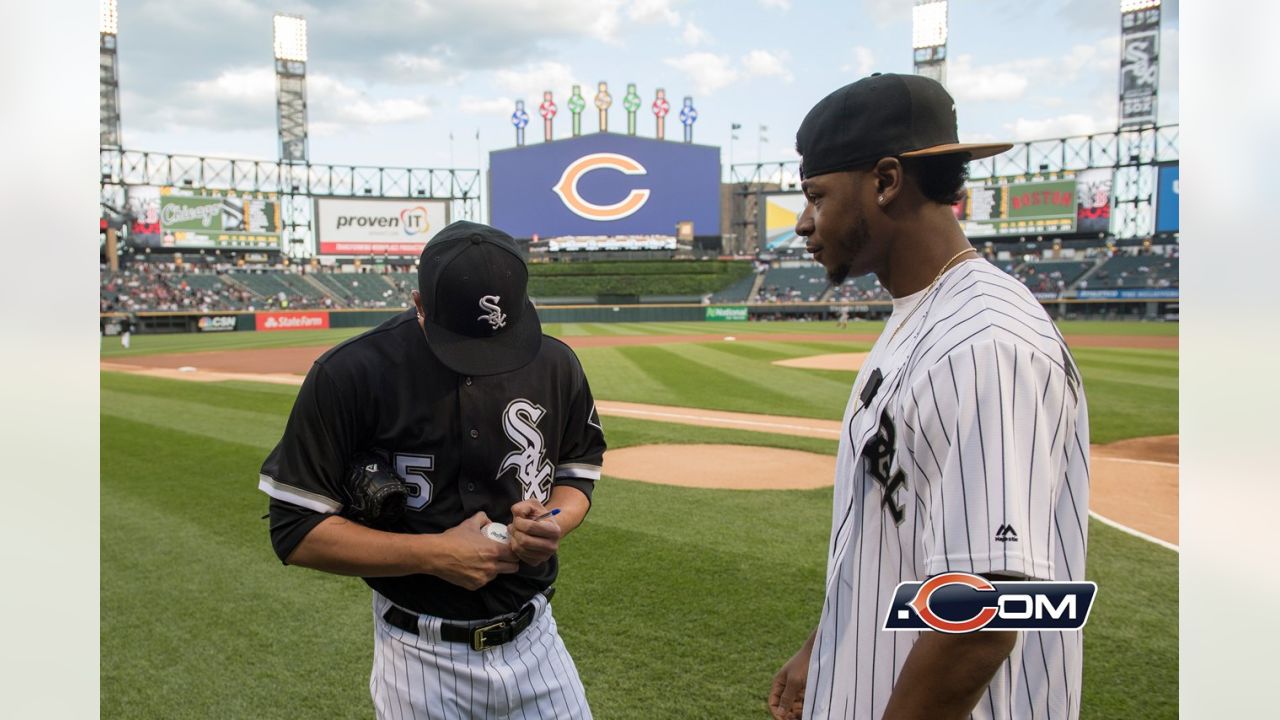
(1006, 533)
(493, 315)
(957, 602)
(520, 423)
(567, 187)
(878, 453)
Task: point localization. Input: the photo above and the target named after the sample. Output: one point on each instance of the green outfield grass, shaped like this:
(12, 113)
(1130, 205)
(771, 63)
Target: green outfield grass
(182, 343)
(675, 602)
(1132, 393)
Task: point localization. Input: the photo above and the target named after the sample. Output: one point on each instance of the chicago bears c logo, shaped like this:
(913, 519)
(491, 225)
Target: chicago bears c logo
(520, 423)
(567, 187)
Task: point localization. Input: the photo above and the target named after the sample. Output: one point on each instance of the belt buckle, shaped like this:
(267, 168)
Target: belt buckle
(477, 636)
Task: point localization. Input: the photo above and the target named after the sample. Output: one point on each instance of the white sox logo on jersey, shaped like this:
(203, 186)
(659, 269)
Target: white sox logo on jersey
(520, 423)
(494, 315)
(879, 454)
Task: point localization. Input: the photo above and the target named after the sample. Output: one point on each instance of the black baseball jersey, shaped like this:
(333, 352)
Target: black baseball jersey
(464, 444)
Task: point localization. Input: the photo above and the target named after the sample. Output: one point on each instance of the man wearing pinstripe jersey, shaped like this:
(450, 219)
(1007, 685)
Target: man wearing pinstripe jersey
(966, 436)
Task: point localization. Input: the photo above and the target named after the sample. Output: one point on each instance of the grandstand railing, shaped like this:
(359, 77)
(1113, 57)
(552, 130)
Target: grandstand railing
(1117, 149)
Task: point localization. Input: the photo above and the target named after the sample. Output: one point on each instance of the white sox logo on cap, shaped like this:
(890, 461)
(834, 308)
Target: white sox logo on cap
(495, 317)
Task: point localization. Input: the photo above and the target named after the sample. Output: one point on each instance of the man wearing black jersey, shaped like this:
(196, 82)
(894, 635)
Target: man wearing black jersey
(486, 420)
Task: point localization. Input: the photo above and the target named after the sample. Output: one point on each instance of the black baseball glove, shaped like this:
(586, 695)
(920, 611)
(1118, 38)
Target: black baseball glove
(377, 493)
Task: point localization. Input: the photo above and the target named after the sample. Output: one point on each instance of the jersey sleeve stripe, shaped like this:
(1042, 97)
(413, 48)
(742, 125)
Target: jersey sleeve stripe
(297, 496)
(578, 470)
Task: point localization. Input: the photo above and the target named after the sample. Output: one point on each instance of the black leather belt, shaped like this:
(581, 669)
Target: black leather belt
(489, 634)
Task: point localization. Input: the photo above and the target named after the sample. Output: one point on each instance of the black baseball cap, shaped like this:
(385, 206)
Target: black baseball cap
(474, 286)
(884, 115)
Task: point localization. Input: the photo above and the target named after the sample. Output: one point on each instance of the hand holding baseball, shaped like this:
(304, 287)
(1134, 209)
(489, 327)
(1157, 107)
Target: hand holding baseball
(533, 541)
(469, 558)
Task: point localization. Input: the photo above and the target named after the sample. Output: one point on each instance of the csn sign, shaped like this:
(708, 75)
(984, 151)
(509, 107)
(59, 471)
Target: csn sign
(605, 184)
(959, 603)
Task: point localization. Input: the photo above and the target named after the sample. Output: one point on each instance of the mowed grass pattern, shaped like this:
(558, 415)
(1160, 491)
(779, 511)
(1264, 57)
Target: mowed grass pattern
(675, 602)
(1132, 393)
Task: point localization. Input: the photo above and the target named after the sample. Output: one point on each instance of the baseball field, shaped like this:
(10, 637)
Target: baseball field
(675, 601)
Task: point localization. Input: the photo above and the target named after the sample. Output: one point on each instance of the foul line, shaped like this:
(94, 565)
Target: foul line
(713, 419)
(1156, 463)
(1136, 533)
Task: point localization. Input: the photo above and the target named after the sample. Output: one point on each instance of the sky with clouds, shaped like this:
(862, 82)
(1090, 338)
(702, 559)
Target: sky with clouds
(389, 81)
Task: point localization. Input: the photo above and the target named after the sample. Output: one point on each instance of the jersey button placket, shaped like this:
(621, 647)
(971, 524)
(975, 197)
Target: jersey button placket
(474, 433)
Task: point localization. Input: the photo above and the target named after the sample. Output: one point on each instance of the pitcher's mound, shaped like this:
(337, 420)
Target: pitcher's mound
(735, 467)
(833, 361)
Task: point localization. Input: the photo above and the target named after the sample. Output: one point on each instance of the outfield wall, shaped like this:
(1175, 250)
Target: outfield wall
(275, 321)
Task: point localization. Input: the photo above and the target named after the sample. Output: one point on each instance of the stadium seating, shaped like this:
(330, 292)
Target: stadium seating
(1051, 276)
(363, 289)
(805, 283)
(183, 288)
(863, 288)
(735, 293)
(1135, 271)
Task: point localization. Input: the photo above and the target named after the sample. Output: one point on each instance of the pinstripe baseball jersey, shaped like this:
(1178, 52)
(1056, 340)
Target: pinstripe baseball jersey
(965, 448)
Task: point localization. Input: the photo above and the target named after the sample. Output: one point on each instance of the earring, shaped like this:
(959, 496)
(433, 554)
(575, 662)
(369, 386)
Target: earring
(880, 199)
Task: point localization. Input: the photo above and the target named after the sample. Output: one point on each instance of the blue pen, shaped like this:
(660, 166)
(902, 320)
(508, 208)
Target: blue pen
(546, 515)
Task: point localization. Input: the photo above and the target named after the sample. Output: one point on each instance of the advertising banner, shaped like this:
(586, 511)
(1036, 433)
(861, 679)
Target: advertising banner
(1093, 201)
(270, 321)
(780, 214)
(216, 323)
(1139, 67)
(345, 226)
(187, 218)
(1129, 294)
(1167, 194)
(605, 184)
(726, 312)
(1005, 206)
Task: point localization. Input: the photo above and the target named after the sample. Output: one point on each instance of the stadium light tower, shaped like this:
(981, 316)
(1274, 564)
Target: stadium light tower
(929, 38)
(290, 41)
(1139, 62)
(109, 81)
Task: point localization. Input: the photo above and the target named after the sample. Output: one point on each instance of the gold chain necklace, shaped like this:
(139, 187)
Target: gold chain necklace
(945, 266)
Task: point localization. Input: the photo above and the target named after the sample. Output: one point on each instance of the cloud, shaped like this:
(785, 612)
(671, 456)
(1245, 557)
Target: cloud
(488, 106)
(652, 11)
(777, 4)
(529, 81)
(884, 12)
(709, 72)
(1021, 77)
(693, 36)
(762, 63)
(864, 62)
(1060, 126)
(413, 68)
(244, 99)
(1003, 81)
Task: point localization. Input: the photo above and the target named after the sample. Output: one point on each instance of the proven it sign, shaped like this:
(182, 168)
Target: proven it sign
(377, 227)
(605, 184)
(271, 321)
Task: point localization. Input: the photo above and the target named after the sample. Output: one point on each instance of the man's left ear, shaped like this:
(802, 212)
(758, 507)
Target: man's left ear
(889, 175)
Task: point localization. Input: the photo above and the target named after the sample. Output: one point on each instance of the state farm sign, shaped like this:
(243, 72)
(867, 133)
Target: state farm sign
(265, 321)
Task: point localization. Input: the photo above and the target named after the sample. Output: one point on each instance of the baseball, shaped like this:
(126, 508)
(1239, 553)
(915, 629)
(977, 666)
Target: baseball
(496, 532)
